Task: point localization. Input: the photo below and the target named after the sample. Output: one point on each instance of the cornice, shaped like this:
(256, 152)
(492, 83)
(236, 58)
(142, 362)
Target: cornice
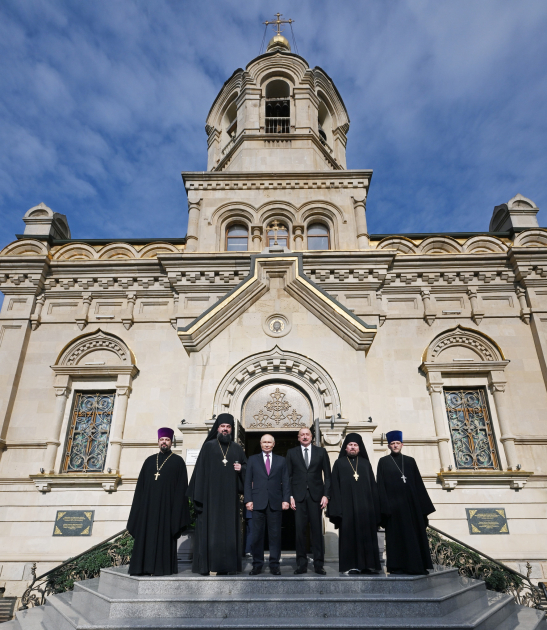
(292, 179)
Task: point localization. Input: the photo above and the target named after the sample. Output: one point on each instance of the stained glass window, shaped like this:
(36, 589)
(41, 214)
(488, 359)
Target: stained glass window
(88, 432)
(471, 431)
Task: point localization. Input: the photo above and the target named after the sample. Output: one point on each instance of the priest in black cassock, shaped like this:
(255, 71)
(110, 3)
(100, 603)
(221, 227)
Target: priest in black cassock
(405, 506)
(354, 508)
(160, 511)
(217, 482)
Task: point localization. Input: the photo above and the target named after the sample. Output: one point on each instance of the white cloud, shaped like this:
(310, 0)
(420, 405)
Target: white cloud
(102, 104)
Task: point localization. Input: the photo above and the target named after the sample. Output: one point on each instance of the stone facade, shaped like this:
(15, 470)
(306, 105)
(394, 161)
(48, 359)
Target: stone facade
(371, 330)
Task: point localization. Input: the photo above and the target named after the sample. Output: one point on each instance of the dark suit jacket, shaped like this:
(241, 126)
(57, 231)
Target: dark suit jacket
(262, 489)
(316, 477)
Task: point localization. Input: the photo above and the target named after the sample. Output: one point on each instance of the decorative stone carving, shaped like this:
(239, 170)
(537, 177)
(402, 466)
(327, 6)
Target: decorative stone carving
(279, 366)
(93, 342)
(485, 349)
(277, 325)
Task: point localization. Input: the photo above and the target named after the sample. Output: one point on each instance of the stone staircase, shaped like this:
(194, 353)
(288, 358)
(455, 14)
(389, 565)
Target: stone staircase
(117, 601)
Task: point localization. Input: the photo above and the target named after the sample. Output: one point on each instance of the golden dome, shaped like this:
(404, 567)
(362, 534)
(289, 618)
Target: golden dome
(278, 41)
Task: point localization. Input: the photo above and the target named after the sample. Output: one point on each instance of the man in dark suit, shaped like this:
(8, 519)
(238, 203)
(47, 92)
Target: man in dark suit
(267, 493)
(309, 472)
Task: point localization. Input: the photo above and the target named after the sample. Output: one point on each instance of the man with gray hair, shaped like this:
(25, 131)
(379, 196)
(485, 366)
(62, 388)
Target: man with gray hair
(267, 493)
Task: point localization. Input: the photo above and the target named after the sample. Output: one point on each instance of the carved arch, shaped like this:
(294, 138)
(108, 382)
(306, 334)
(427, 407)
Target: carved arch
(440, 245)
(402, 244)
(481, 345)
(232, 208)
(531, 238)
(153, 249)
(277, 365)
(75, 351)
(75, 251)
(484, 245)
(117, 251)
(27, 247)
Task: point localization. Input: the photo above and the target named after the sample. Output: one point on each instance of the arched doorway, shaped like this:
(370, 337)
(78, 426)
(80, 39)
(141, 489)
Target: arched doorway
(281, 409)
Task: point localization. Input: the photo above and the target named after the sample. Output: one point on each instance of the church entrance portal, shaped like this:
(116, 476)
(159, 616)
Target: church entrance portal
(280, 409)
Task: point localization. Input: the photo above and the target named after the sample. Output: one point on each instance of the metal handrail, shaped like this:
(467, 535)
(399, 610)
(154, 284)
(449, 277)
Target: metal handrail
(481, 553)
(29, 598)
(473, 563)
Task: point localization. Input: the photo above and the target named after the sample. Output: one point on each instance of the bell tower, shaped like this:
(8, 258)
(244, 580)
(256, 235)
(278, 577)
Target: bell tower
(277, 115)
(276, 156)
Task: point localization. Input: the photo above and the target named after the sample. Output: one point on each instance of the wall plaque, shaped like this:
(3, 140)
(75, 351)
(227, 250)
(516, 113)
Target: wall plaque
(192, 456)
(487, 521)
(74, 523)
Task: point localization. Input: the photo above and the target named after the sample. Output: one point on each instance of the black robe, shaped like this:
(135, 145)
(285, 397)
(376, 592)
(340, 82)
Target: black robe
(354, 508)
(215, 489)
(405, 507)
(158, 515)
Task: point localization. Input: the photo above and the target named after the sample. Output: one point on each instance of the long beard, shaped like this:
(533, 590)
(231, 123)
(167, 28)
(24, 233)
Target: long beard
(225, 439)
(352, 455)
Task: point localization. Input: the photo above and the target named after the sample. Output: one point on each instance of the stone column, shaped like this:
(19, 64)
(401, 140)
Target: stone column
(194, 202)
(497, 384)
(123, 391)
(298, 231)
(435, 388)
(359, 205)
(256, 231)
(62, 392)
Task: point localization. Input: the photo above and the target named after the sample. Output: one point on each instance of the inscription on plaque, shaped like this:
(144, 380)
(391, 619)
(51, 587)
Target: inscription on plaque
(487, 521)
(74, 523)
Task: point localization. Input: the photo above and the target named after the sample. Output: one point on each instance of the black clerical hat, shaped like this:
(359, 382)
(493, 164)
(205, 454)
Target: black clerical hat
(354, 437)
(223, 418)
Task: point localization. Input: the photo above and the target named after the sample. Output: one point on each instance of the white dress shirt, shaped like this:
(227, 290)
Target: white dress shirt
(309, 453)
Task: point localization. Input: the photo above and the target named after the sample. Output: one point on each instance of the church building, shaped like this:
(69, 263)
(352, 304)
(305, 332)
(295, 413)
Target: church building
(282, 307)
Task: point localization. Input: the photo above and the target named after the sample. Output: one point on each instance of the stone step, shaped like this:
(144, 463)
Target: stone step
(194, 585)
(435, 601)
(31, 619)
(496, 615)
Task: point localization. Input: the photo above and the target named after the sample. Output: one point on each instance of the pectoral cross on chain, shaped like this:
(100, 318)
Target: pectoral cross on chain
(156, 475)
(403, 478)
(356, 476)
(225, 461)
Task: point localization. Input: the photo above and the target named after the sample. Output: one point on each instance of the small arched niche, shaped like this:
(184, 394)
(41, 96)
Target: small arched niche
(278, 107)
(229, 122)
(324, 120)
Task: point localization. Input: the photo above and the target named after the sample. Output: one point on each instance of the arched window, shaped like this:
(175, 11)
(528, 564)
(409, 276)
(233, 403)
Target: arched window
(278, 232)
(278, 107)
(318, 236)
(324, 123)
(237, 237)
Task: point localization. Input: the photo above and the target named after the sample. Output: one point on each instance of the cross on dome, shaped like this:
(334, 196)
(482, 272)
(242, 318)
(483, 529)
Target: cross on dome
(277, 23)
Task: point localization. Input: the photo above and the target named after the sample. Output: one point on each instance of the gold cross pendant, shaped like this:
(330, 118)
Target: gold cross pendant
(225, 461)
(156, 476)
(355, 476)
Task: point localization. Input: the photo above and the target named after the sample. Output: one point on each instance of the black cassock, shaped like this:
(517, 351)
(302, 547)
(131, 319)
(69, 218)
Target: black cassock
(158, 515)
(215, 489)
(354, 509)
(404, 507)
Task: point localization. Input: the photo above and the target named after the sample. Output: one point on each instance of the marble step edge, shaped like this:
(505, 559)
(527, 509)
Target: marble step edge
(122, 573)
(30, 619)
(338, 623)
(444, 592)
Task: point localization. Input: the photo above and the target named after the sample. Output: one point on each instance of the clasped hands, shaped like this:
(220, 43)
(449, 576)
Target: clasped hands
(249, 506)
(324, 502)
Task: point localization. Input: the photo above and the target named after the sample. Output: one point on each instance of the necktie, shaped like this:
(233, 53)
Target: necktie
(268, 463)
(306, 460)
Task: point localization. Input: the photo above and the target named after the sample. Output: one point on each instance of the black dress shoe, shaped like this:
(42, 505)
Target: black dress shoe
(320, 571)
(255, 571)
(300, 570)
(275, 571)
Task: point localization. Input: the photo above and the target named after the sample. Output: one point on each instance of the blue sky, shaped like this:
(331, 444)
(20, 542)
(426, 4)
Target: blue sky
(103, 104)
